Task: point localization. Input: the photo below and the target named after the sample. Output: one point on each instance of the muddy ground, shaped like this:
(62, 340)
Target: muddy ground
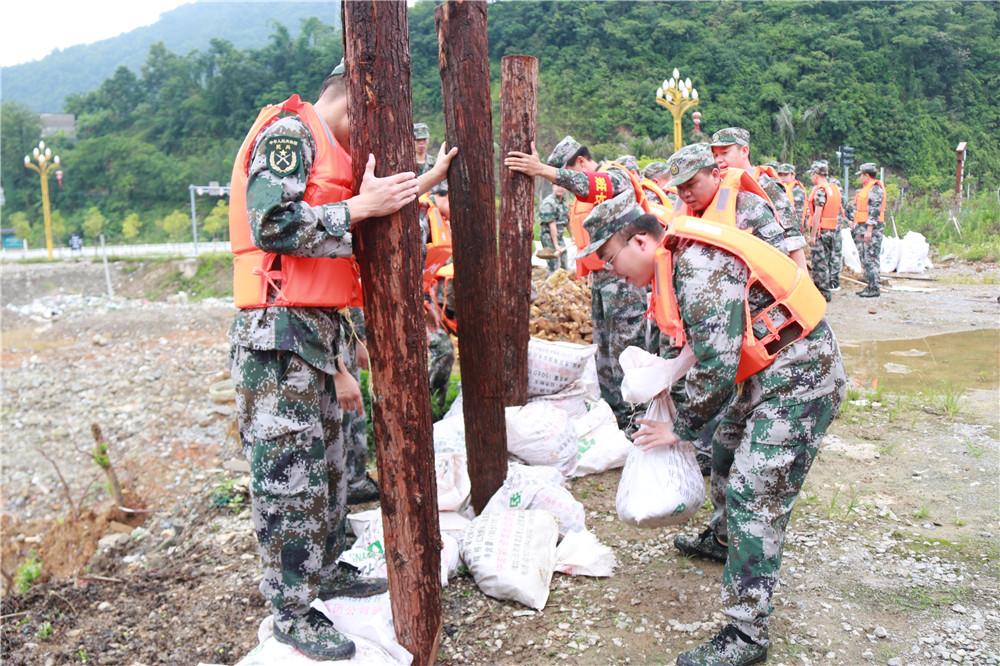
(892, 556)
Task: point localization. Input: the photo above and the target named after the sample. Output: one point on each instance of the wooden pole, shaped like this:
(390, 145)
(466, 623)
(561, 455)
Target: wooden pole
(377, 55)
(463, 59)
(518, 111)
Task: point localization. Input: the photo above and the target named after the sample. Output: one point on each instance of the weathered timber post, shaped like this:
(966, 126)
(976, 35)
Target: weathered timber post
(463, 59)
(518, 111)
(377, 54)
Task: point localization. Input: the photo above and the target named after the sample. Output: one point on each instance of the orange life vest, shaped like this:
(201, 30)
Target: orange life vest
(265, 279)
(440, 227)
(790, 189)
(831, 209)
(861, 203)
(795, 296)
(722, 208)
(766, 170)
(601, 189)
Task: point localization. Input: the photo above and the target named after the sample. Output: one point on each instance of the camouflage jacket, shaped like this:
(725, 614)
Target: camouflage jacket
(553, 209)
(281, 222)
(799, 199)
(710, 284)
(578, 183)
(785, 213)
(756, 215)
(426, 165)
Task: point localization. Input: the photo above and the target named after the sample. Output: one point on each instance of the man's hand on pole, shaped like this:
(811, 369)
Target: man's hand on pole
(378, 197)
(530, 164)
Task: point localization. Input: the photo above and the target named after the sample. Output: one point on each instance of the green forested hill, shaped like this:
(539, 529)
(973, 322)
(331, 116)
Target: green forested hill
(901, 82)
(43, 85)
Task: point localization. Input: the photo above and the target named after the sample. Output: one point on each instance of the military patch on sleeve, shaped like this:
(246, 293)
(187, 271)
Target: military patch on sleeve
(283, 154)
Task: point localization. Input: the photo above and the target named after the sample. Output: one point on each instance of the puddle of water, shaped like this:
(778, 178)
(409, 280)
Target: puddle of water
(968, 360)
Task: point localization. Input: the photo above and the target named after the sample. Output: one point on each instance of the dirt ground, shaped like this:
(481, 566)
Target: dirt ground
(892, 556)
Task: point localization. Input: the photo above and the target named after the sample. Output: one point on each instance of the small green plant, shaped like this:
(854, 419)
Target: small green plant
(28, 572)
(831, 508)
(975, 450)
(853, 393)
(227, 497)
(887, 448)
(922, 513)
(960, 522)
(44, 630)
(81, 654)
(950, 399)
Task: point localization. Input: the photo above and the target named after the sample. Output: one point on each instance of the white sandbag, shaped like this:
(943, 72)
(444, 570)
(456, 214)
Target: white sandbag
(914, 254)
(581, 554)
(449, 435)
(450, 558)
(589, 381)
(662, 485)
(601, 445)
(367, 555)
(554, 365)
(269, 652)
(511, 555)
(453, 482)
(453, 524)
(357, 522)
(647, 375)
(852, 259)
(456, 406)
(572, 399)
(889, 255)
(369, 618)
(525, 488)
(541, 434)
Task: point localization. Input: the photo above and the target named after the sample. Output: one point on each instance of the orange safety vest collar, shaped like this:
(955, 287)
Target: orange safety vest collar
(265, 279)
(440, 228)
(831, 209)
(861, 203)
(793, 292)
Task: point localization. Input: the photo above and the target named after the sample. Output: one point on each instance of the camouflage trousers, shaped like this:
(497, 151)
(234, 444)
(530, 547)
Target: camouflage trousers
(870, 253)
(440, 361)
(290, 425)
(759, 464)
(821, 258)
(837, 260)
(618, 313)
(355, 428)
(559, 262)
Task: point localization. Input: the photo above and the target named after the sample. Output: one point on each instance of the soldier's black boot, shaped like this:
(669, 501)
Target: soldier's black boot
(704, 545)
(868, 292)
(347, 583)
(366, 491)
(313, 634)
(730, 647)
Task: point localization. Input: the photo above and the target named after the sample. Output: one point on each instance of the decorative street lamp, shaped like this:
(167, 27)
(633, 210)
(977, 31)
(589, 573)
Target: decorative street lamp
(46, 162)
(677, 96)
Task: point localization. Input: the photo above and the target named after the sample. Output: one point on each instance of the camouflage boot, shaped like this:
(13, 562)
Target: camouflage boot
(365, 491)
(347, 583)
(730, 647)
(313, 634)
(705, 545)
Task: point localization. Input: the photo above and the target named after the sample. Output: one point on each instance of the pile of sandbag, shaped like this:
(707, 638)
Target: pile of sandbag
(562, 309)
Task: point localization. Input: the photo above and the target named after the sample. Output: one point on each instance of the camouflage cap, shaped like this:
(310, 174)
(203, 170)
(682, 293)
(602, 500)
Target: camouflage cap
(821, 167)
(420, 131)
(338, 70)
(654, 170)
(564, 150)
(629, 162)
(868, 167)
(785, 168)
(731, 135)
(687, 161)
(608, 218)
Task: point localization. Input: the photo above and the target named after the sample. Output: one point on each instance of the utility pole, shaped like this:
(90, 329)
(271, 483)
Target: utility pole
(377, 58)
(518, 113)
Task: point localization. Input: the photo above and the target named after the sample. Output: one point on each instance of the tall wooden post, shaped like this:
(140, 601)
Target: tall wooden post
(518, 111)
(463, 58)
(377, 55)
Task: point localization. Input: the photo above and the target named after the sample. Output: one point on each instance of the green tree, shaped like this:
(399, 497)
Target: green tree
(21, 129)
(131, 226)
(176, 225)
(94, 223)
(21, 225)
(217, 220)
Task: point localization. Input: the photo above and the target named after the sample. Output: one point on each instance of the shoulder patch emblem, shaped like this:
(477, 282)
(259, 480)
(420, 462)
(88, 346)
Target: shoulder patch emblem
(283, 154)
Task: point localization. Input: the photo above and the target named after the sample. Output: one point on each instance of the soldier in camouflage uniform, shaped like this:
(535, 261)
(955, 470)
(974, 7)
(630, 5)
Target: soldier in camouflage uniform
(617, 309)
(786, 174)
(553, 216)
(868, 233)
(837, 260)
(657, 172)
(821, 256)
(360, 486)
(629, 162)
(291, 380)
(786, 408)
(421, 136)
(731, 148)
(440, 361)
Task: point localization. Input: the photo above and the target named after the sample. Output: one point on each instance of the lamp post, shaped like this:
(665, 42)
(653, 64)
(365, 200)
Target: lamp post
(677, 96)
(45, 163)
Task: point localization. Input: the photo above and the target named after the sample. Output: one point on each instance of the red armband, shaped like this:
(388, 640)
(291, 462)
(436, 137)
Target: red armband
(600, 188)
